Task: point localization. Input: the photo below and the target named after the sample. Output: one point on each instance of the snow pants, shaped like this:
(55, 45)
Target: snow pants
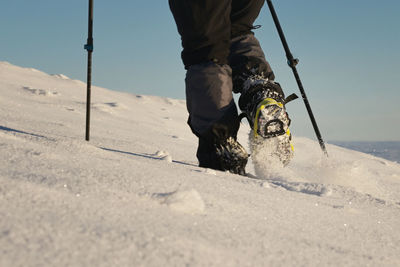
(218, 43)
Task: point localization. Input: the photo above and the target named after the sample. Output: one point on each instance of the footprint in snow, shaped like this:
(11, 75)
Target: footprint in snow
(108, 107)
(185, 201)
(305, 188)
(61, 76)
(42, 92)
(112, 104)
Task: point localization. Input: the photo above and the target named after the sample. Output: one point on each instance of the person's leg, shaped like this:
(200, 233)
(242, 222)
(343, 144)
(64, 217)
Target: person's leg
(246, 53)
(213, 117)
(262, 100)
(205, 29)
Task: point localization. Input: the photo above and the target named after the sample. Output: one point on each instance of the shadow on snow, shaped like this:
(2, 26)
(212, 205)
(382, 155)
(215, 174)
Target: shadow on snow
(145, 155)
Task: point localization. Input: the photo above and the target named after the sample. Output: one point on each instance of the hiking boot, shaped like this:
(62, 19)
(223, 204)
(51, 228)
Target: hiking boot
(263, 104)
(224, 155)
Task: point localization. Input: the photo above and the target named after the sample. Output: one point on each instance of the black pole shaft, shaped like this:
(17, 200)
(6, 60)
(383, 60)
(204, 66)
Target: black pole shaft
(89, 48)
(292, 63)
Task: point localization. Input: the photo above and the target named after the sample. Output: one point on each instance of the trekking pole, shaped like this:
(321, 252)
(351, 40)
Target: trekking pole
(292, 62)
(89, 47)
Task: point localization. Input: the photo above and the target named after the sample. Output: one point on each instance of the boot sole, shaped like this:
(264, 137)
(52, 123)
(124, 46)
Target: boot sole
(271, 124)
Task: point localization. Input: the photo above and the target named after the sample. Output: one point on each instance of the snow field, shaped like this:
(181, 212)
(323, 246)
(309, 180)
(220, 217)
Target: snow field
(133, 195)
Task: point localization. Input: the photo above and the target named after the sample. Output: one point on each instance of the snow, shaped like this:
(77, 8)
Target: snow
(134, 196)
(188, 201)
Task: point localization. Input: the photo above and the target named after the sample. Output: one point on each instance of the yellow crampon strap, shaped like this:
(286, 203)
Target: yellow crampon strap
(261, 106)
(291, 145)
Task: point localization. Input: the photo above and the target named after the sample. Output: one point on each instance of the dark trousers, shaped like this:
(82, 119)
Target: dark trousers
(218, 43)
(208, 26)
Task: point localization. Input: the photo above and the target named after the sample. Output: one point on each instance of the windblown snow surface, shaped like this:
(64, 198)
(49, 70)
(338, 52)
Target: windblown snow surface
(133, 195)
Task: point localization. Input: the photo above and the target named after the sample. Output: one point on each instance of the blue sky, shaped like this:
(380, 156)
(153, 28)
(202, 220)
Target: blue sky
(348, 51)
